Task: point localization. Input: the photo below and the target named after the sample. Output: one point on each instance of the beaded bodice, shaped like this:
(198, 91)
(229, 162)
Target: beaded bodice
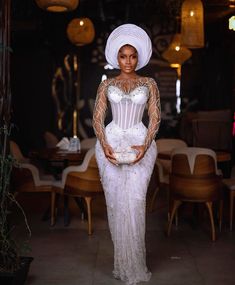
(127, 109)
(128, 99)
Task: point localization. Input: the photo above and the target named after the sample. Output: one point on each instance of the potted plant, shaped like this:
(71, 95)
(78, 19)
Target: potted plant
(13, 267)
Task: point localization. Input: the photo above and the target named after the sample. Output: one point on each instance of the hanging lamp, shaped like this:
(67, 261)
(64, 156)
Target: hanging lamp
(58, 5)
(176, 54)
(81, 31)
(192, 24)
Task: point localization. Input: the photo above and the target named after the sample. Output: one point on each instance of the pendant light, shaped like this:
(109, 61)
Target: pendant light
(58, 5)
(192, 24)
(176, 54)
(80, 31)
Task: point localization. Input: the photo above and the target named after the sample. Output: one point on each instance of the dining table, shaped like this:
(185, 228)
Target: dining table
(58, 155)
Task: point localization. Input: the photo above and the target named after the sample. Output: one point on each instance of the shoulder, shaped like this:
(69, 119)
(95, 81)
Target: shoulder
(151, 81)
(104, 84)
(152, 84)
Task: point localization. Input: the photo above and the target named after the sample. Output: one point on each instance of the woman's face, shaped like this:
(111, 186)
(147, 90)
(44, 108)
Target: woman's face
(127, 58)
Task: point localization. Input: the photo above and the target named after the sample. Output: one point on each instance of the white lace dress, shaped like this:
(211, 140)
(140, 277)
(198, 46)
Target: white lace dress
(125, 186)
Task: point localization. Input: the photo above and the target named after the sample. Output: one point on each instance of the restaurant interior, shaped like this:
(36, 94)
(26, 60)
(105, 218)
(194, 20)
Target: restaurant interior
(52, 62)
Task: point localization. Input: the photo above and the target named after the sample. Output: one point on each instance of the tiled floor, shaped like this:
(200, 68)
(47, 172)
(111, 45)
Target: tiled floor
(68, 256)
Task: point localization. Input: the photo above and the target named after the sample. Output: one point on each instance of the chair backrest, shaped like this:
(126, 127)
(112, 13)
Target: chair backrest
(22, 180)
(16, 152)
(169, 144)
(26, 178)
(165, 145)
(194, 161)
(50, 139)
(194, 174)
(81, 182)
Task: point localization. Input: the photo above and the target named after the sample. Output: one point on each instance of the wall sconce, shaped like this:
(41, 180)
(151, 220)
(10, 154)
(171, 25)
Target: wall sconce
(80, 31)
(192, 25)
(58, 5)
(231, 23)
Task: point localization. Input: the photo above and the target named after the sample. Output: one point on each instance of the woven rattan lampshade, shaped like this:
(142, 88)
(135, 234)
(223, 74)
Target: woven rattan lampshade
(176, 54)
(192, 24)
(80, 31)
(58, 5)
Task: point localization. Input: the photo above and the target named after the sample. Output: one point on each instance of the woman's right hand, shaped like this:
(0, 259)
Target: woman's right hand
(108, 151)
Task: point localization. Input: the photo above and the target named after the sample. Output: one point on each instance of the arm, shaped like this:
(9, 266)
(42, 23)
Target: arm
(154, 112)
(98, 121)
(99, 113)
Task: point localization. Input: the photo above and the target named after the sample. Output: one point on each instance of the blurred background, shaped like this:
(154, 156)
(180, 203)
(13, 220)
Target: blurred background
(53, 74)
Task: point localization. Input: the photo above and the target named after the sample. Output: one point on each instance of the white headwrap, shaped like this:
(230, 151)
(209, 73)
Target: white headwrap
(132, 35)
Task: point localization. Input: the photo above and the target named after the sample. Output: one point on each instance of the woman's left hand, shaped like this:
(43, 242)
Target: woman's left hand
(140, 152)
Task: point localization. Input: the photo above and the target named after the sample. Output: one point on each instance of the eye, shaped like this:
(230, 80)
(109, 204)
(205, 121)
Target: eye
(122, 56)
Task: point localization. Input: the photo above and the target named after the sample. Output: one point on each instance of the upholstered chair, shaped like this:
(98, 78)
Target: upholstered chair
(195, 178)
(80, 181)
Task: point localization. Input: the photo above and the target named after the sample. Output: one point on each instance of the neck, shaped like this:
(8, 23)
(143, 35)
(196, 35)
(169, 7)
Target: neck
(124, 75)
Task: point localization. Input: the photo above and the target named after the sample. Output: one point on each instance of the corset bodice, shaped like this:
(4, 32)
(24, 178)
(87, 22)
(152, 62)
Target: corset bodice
(127, 108)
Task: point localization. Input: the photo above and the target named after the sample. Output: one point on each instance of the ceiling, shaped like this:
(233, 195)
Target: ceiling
(30, 22)
(107, 10)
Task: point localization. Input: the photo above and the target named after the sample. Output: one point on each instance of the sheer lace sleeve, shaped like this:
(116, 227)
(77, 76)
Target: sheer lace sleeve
(99, 112)
(154, 112)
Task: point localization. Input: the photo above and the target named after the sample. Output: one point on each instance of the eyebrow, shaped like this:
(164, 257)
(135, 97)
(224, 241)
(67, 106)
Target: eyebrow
(134, 53)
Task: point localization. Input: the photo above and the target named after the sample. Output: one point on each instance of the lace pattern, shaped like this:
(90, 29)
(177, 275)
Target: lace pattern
(99, 112)
(154, 110)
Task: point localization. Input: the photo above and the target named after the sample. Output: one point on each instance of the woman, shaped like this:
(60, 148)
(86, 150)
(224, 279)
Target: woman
(125, 185)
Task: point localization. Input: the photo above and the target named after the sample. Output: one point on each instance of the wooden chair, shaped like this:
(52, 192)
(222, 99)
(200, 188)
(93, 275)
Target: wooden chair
(195, 178)
(16, 152)
(81, 181)
(25, 178)
(50, 139)
(168, 145)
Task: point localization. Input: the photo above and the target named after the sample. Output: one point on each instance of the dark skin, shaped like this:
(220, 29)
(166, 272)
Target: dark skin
(127, 60)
